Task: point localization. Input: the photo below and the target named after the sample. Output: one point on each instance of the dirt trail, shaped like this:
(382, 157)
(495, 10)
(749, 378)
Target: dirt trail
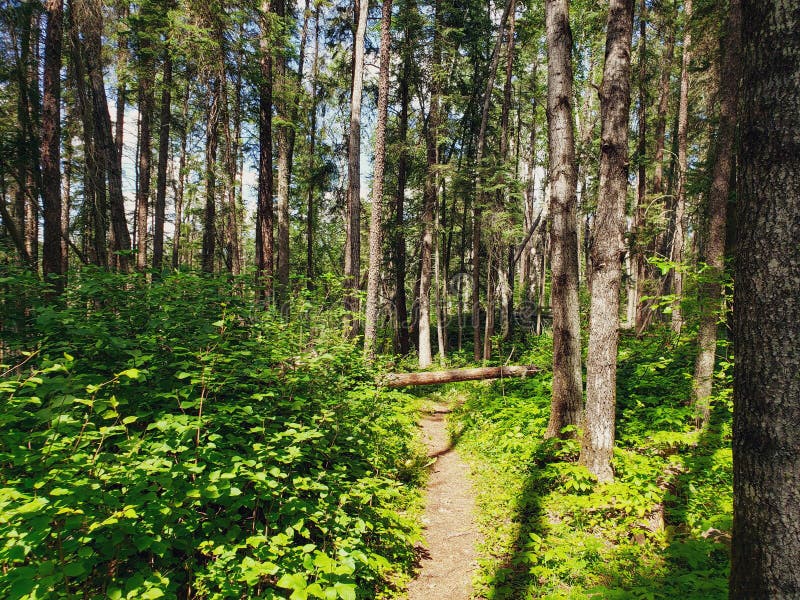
(449, 558)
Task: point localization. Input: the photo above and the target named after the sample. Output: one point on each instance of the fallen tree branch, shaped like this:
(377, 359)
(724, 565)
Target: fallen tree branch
(398, 380)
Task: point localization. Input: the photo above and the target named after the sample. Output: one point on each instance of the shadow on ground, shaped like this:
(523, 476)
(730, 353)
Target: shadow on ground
(678, 549)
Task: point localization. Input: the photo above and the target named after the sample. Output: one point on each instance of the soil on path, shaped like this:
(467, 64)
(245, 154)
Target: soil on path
(449, 558)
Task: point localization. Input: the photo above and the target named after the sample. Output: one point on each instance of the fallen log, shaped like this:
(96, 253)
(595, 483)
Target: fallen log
(398, 380)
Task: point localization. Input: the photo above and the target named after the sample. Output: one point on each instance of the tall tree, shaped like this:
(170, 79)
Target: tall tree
(310, 207)
(146, 97)
(375, 237)
(160, 207)
(429, 197)
(711, 292)
(766, 447)
(53, 259)
(678, 238)
(607, 246)
(209, 250)
(284, 138)
(565, 408)
(90, 14)
(398, 231)
(477, 207)
(264, 216)
(352, 249)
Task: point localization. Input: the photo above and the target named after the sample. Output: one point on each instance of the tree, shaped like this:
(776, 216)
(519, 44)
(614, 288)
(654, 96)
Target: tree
(711, 291)
(375, 237)
(403, 345)
(607, 246)
(352, 250)
(284, 134)
(429, 196)
(567, 396)
(264, 216)
(678, 238)
(160, 207)
(53, 259)
(766, 448)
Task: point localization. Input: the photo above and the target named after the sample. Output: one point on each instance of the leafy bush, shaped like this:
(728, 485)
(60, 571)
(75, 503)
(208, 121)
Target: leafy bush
(169, 440)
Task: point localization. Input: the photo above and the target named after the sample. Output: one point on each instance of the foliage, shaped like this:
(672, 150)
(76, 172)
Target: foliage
(660, 530)
(168, 440)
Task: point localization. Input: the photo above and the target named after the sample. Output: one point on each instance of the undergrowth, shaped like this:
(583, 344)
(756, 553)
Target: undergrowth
(660, 530)
(168, 440)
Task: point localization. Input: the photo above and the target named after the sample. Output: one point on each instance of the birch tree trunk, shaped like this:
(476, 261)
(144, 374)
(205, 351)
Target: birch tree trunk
(429, 197)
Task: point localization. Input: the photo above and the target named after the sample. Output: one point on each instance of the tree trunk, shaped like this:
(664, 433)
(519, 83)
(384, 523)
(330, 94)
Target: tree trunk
(375, 241)
(398, 380)
(352, 255)
(678, 239)
(635, 256)
(398, 233)
(567, 395)
(105, 145)
(146, 102)
(644, 311)
(284, 135)
(311, 157)
(477, 207)
(766, 447)
(53, 260)
(177, 235)
(711, 292)
(210, 211)
(429, 198)
(608, 247)
(264, 217)
(163, 158)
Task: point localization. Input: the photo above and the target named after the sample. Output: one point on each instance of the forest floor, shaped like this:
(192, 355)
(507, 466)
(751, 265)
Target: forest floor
(448, 560)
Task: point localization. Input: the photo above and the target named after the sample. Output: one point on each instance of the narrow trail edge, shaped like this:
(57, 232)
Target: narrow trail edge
(449, 558)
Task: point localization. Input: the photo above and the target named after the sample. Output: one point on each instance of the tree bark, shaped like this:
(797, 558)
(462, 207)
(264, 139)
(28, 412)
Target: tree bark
(352, 255)
(105, 145)
(163, 158)
(766, 447)
(635, 258)
(53, 260)
(177, 236)
(567, 395)
(284, 137)
(146, 102)
(429, 197)
(310, 209)
(210, 212)
(264, 216)
(711, 291)
(398, 233)
(375, 237)
(678, 239)
(398, 380)
(607, 246)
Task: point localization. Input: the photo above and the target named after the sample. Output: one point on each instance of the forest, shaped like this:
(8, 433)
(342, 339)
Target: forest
(415, 299)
